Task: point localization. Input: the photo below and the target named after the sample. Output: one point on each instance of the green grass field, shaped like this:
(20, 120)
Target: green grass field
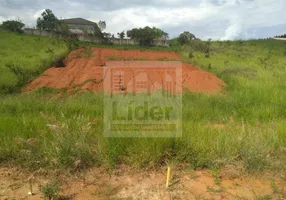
(244, 126)
(25, 57)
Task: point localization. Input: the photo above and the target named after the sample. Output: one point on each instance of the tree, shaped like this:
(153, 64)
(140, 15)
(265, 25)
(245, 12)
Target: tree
(106, 35)
(121, 35)
(64, 29)
(13, 25)
(48, 21)
(281, 36)
(102, 25)
(146, 35)
(186, 37)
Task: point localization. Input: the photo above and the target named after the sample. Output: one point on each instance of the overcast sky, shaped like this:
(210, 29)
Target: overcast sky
(216, 19)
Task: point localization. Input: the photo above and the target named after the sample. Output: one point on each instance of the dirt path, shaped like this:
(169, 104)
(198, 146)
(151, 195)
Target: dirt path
(124, 183)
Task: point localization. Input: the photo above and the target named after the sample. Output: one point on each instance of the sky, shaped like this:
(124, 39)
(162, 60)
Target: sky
(215, 19)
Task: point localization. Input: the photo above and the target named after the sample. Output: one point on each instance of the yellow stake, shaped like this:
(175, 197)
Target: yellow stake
(168, 177)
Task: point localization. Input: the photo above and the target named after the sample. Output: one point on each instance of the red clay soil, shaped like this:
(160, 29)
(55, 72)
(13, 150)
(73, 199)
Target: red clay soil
(126, 183)
(88, 69)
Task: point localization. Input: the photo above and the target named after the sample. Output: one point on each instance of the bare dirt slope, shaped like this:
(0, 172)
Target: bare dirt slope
(86, 68)
(122, 183)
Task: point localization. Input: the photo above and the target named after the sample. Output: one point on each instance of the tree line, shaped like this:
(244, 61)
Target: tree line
(281, 36)
(145, 36)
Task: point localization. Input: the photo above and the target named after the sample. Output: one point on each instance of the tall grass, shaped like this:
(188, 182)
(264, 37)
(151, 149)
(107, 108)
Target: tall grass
(23, 57)
(40, 131)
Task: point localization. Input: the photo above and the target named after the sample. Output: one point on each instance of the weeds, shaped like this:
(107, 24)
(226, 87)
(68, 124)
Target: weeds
(274, 187)
(50, 51)
(216, 175)
(69, 135)
(78, 86)
(22, 76)
(25, 58)
(114, 57)
(50, 191)
(239, 71)
(191, 54)
(215, 191)
(86, 53)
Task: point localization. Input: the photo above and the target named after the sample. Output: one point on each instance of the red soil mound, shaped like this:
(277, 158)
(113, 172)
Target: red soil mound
(86, 69)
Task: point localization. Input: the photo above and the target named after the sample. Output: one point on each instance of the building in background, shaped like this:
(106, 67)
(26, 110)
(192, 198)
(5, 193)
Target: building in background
(81, 26)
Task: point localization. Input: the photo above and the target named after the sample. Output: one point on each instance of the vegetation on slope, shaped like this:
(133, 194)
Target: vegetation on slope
(24, 57)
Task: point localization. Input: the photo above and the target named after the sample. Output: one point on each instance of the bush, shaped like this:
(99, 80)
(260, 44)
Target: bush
(50, 191)
(186, 37)
(198, 45)
(146, 35)
(60, 62)
(13, 25)
(191, 54)
(21, 74)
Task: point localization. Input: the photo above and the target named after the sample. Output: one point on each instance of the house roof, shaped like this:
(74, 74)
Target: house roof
(80, 21)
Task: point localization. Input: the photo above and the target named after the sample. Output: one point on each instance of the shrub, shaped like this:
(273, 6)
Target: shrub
(191, 54)
(50, 191)
(246, 72)
(198, 45)
(186, 37)
(50, 51)
(146, 35)
(60, 62)
(21, 74)
(13, 25)
(85, 53)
